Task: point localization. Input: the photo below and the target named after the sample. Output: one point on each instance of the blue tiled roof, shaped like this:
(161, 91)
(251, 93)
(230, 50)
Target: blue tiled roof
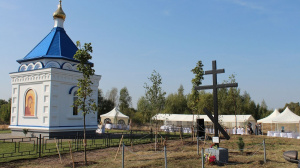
(57, 44)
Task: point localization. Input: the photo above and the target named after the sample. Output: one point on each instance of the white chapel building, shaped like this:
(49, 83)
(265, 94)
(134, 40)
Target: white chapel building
(44, 88)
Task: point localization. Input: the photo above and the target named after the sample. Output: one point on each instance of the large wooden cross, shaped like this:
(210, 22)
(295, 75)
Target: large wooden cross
(215, 87)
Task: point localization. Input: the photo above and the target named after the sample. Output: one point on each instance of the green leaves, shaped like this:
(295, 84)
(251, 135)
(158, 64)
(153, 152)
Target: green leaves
(154, 93)
(124, 100)
(5, 109)
(84, 101)
(198, 71)
(193, 98)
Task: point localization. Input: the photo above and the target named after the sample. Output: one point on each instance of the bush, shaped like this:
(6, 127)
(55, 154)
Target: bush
(241, 144)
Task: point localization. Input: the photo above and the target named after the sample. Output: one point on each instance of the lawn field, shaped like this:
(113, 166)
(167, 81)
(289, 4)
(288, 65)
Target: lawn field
(181, 154)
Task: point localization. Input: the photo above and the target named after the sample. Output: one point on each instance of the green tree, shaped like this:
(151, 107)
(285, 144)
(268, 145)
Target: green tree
(104, 105)
(193, 98)
(143, 107)
(196, 81)
(205, 99)
(124, 99)
(177, 103)
(5, 109)
(2, 101)
(154, 93)
(84, 102)
(112, 95)
(263, 110)
(295, 107)
(229, 98)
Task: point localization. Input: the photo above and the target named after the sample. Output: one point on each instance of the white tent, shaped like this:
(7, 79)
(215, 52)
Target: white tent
(269, 118)
(187, 119)
(114, 117)
(231, 121)
(287, 117)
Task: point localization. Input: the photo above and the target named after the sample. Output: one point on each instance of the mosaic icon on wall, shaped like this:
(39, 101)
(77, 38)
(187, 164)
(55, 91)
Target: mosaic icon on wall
(30, 103)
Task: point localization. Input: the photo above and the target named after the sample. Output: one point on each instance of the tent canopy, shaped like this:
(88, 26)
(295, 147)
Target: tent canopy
(189, 118)
(239, 118)
(179, 117)
(114, 113)
(269, 119)
(115, 117)
(287, 116)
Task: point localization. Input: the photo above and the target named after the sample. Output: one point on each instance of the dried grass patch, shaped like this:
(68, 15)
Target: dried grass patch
(178, 155)
(4, 127)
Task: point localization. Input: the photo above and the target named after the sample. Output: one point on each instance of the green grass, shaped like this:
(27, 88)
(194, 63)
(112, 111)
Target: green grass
(6, 131)
(10, 151)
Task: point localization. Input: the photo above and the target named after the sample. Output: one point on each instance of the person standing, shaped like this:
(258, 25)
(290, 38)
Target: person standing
(259, 129)
(256, 129)
(250, 127)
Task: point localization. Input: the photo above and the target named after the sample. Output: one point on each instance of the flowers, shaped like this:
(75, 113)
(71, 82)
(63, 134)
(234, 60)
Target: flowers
(214, 146)
(212, 159)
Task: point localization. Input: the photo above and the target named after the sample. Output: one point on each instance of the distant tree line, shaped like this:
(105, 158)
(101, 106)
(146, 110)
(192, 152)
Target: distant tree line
(231, 100)
(155, 100)
(5, 111)
(294, 107)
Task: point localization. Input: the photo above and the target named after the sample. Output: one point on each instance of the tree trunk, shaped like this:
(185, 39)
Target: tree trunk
(84, 141)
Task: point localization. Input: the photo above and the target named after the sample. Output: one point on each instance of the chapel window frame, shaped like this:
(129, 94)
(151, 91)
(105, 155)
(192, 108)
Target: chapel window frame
(75, 109)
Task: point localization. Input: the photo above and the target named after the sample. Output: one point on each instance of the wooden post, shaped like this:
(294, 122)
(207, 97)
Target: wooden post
(119, 147)
(58, 151)
(123, 152)
(197, 146)
(204, 140)
(202, 157)
(265, 156)
(181, 137)
(71, 154)
(192, 128)
(165, 149)
(155, 139)
(40, 145)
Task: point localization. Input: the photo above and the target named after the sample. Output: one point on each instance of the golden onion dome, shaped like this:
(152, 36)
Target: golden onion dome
(59, 13)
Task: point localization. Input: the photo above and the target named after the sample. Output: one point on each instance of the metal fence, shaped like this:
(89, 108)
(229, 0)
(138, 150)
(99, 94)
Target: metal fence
(33, 147)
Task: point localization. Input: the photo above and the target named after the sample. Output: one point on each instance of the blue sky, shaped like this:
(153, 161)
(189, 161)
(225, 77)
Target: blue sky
(259, 41)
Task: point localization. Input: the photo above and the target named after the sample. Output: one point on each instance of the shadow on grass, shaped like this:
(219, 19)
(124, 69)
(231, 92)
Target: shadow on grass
(81, 163)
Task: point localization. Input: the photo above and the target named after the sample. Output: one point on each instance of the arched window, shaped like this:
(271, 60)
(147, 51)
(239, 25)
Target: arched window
(75, 108)
(107, 121)
(122, 122)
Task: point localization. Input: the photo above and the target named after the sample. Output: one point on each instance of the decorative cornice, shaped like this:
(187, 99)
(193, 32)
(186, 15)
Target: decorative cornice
(50, 74)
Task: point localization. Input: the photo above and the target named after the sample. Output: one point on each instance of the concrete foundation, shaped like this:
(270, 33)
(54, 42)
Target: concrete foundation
(220, 153)
(65, 134)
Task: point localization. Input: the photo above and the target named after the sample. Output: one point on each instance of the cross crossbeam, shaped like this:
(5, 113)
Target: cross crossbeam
(218, 86)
